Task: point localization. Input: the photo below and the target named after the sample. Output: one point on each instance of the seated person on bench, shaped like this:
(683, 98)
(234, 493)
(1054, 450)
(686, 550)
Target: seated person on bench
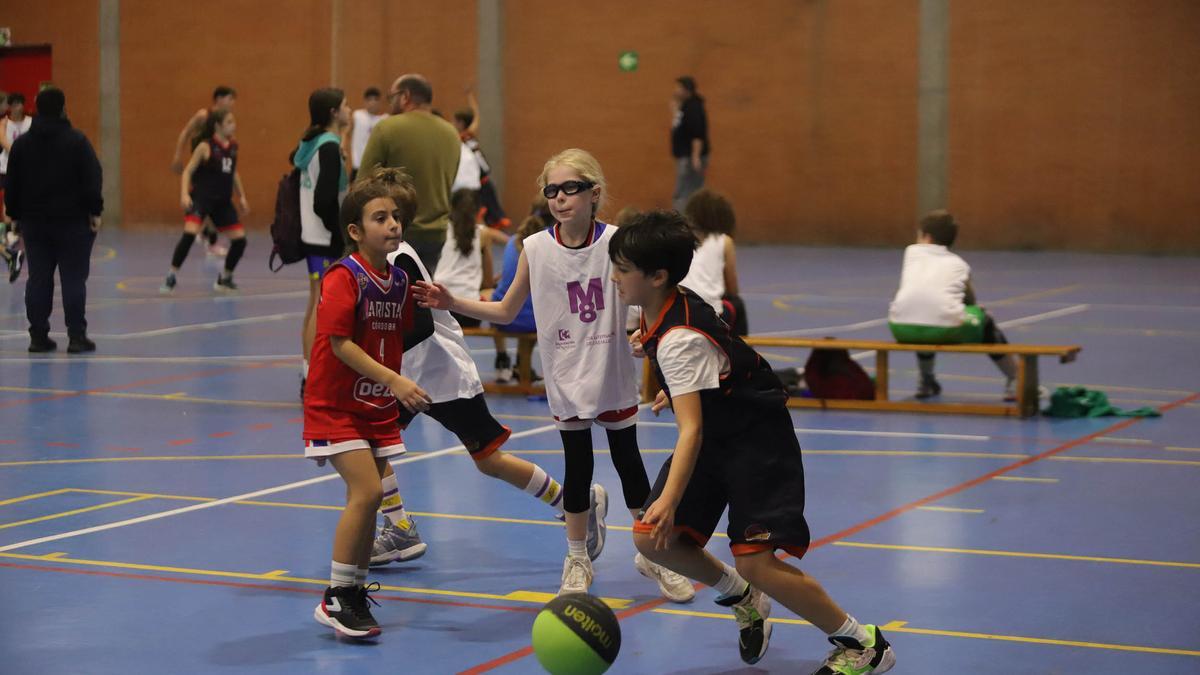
(936, 304)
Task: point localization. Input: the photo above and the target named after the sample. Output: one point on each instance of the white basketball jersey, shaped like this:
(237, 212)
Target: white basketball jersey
(13, 131)
(706, 276)
(364, 123)
(442, 364)
(586, 359)
(461, 274)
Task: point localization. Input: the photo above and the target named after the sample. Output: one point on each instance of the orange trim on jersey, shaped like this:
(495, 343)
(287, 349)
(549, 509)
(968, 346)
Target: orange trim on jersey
(646, 335)
(229, 228)
(750, 549)
(192, 219)
(695, 535)
(490, 449)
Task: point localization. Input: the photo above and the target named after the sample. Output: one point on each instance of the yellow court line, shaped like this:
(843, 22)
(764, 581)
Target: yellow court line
(38, 495)
(275, 573)
(902, 627)
(1173, 448)
(1018, 554)
(949, 509)
(1025, 480)
(177, 397)
(1037, 295)
(73, 512)
(1124, 441)
(166, 458)
(1125, 460)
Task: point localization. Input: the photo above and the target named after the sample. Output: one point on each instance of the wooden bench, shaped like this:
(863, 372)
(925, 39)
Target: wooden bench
(1026, 404)
(525, 343)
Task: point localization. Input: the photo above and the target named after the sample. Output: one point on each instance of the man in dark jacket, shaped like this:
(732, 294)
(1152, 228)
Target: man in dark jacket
(689, 140)
(54, 193)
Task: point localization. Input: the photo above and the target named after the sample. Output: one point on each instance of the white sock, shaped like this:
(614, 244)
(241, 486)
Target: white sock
(545, 488)
(731, 584)
(577, 549)
(853, 630)
(342, 574)
(392, 504)
(304, 369)
(360, 576)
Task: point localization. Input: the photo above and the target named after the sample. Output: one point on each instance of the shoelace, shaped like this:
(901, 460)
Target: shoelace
(746, 614)
(844, 656)
(576, 574)
(359, 604)
(671, 578)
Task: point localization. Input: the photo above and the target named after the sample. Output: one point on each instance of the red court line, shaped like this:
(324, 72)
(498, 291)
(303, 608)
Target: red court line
(138, 383)
(182, 441)
(117, 447)
(265, 587)
(7, 441)
(639, 609)
(221, 434)
(261, 426)
(60, 444)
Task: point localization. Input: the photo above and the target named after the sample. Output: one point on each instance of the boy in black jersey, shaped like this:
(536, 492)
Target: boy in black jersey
(736, 448)
(206, 191)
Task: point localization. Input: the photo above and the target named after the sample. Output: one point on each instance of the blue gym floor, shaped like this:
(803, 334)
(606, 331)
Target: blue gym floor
(156, 515)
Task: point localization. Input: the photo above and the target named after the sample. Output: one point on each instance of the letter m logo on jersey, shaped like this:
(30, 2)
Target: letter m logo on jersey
(586, 303)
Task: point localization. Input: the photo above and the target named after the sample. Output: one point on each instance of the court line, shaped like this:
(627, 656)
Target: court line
(1018, 554)
(73, 512)
(187, 327)
(836, 536)
(94, 359)
(241, 497)
(949, 509)
(155, 397)
(1023, 479)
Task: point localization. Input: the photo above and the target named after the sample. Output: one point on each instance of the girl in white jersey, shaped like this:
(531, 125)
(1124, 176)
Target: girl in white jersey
(586, 358)
(713, 274)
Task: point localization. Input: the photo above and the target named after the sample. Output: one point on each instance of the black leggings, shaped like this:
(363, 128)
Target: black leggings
(626, 458)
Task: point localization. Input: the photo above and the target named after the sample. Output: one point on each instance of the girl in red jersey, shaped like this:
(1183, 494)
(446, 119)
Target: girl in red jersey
(365, 316)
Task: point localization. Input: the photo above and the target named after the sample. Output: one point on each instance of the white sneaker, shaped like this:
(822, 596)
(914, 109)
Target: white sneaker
(597, 530)
(674, 587)
(1010, 390)
(577, 575)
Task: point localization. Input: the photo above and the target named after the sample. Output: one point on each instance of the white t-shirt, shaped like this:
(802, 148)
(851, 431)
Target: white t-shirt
(467, 177)
(442, 363)
(690, 361)
(586, 359)
(13, 131)
(364, 123)
(462, 274)
(933, 284)
(706, 276)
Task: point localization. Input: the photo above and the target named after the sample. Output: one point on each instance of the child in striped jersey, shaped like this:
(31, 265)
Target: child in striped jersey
(586, 359)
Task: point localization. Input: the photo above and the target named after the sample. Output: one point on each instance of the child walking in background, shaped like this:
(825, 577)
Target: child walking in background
(365, 317)
(935, 304)
(713, 274)
(586, 359)
(206, 191)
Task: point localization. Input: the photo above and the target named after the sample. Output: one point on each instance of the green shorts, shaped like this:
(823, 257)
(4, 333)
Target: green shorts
(969, 331)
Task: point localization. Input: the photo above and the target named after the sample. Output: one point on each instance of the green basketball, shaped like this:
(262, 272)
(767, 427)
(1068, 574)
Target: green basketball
(576, 634)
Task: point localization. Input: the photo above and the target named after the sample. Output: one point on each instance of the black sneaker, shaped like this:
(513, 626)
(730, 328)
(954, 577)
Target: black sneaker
(346, 610)
(504, 369)
(224, 284)
(15, 262)
(81, 344)
(850, 657)
(168, 284)
(38, 344)
(751, 612)
(928, 388)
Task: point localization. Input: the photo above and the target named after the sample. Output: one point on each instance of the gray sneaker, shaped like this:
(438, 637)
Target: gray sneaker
(397, 544)
(597, 529)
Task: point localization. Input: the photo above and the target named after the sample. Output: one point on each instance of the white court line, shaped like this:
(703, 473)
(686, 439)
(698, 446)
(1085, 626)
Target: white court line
(1034, 318)
(851, 432)
(151, 359)
(189, 327)
(241, 497)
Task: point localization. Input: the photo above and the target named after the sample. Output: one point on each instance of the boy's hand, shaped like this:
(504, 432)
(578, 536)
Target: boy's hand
(661, 515)
(660, 402)
(410, 395)
(433, 296)
(635, 343)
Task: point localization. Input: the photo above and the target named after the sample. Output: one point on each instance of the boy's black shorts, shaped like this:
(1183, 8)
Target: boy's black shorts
(470, 420)
(758, 472)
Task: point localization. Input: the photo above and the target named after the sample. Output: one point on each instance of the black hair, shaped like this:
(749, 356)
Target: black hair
(417, 88)
(15, 98)
(321, 104)
(940, 227)
(655, 240)
(464, 116)
(222, 91)
(50, 102)
(710, 212)
(371, 92)
(214, 119)
(687, 82)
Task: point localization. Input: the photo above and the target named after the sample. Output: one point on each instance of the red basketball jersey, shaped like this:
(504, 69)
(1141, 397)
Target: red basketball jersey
(373, 310)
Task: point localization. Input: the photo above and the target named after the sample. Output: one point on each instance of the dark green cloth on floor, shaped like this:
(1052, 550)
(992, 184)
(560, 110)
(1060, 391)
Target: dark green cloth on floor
(1082, 402)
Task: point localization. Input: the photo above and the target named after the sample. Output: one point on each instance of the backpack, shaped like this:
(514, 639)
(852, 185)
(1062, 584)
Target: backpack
(285, 229)
(831, 373)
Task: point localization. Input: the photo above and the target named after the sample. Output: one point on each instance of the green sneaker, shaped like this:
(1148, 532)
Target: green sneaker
(849, 657)
(751, 612)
